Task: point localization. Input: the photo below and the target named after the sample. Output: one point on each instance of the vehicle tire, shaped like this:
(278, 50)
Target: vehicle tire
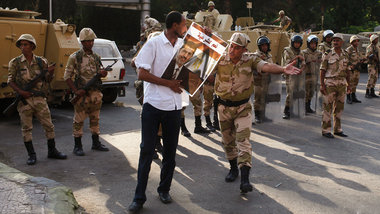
(109, 95)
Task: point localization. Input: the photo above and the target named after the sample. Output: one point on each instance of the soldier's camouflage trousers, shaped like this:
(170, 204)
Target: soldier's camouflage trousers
(38, 107)
(87, 106)
(235, 126)
(310, 85)
(289, 91)
(333, 103)
(372, 76)
(354, 80)
(196, 100)
(260, 91)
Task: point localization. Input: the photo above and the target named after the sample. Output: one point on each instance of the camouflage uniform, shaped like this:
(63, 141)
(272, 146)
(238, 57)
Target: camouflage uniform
(207, 90)
(234, 84)
(372, 66)
(152, 25)
(21, 73)
(323, 47)
(312, 60)
(288, 56)
(261, 82)
(354, 57)
(336, 68)
(90, 104)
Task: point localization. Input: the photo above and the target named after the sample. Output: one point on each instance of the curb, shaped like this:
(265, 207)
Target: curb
(59, 198)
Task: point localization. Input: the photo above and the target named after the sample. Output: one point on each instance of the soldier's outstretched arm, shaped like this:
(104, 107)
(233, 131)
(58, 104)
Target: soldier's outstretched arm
(276, 69)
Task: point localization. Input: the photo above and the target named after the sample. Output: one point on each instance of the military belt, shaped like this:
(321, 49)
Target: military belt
(298, 94)
(230, 103)
(273, 98)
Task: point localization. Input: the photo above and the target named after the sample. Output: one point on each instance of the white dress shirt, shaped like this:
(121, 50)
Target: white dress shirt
(155, 56)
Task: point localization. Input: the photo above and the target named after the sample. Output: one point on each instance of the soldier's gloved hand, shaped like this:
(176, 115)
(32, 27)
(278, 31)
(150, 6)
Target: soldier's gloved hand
(80, 92)
(103, 73)
(174, 85)
(323, 89)
(25, 94)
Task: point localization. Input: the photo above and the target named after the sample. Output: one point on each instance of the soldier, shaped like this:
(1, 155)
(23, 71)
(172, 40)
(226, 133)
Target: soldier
(233, 86)
(326, 43)
(210, 20)
(372, 54)
(313, 61)
(141, 42)
(291, 53)
(83, 65)
(22, 70)
(335, 80)
(285, 21)
(196, 100)
(261, 80)
(355, 59)
(151, 25)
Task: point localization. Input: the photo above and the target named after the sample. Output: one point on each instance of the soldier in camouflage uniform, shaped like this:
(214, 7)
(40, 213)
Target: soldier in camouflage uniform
(291, 53)
(234, 87)
(285, 21)
(210, 19)
(22, 70)
(83, 65)
(335, 78)
(326, 43)
(261, 80)
(372, 54)
(356, 59)
(313, 61)
(151, 25)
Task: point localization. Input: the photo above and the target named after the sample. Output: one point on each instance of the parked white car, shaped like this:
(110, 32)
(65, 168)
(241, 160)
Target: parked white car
(113, 84)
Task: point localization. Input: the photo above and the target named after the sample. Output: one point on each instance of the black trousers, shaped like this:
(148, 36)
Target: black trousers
(151, 118)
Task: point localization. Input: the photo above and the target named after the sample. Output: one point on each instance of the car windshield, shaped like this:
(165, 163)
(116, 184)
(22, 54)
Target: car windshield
(105, 51)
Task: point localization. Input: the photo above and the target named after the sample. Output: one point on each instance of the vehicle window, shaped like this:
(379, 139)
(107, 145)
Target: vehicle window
(105, 50)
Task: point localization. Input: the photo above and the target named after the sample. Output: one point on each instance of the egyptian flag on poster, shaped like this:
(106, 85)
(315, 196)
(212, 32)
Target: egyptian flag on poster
(196, 59)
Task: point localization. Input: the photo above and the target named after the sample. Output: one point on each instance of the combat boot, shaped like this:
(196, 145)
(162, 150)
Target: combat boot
(355, 99)
(257, 117)
(198, 126)
(349, 99)
(373, 93)
(308, 108)
(367, 95)
(32, 155)
(78, 149)
(216, 122)
(184, 130)
(96, 145)
(53, 152)
(209, 124)
(286, 115)
(245, 185)
(234, 171)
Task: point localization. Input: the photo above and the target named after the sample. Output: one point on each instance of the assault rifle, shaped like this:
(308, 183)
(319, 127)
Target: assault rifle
(94, 80)
(11, 109)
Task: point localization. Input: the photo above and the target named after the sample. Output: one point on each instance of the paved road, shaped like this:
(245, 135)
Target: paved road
(295, 169)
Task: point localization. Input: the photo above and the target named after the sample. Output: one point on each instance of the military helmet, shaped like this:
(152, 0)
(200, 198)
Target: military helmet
(311, 38)
(353, 38)
(239, 39)
(296, 38)
(26, 37)
(373, 37)
(263, 40)
(211, 3)
(327, 33)
(338, 35)
(281, 12)
(86, 34)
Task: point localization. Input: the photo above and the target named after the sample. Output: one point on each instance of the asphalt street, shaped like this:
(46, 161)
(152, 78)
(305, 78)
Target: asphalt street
(295, 169)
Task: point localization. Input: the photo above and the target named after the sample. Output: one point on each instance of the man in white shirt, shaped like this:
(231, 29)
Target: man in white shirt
(162, 105)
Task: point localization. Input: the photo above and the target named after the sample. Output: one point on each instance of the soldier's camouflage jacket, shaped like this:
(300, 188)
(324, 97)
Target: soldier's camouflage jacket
(336, 67)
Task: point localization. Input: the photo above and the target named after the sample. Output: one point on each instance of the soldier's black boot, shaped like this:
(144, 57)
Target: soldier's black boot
(78, 149)
(53, 152)
(286, 115)
(367, 95)
(209, 124)
(234, 171)
(373, 93)
(32, 155)
(245, 185)
(198, 126)
(257, 116)
(349, 99)
(355, 99)
(96, 145)
(216, 121)
(308, 108)
(184, 130)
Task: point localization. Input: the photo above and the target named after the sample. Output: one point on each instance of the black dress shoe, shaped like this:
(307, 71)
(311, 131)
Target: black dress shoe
(165, 197)
(135, 207)
(341, 134)
(328, 135)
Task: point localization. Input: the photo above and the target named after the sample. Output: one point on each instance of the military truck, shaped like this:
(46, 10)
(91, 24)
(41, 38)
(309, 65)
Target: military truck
(55, 41)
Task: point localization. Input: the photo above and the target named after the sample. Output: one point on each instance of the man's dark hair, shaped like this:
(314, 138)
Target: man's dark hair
(173, 17)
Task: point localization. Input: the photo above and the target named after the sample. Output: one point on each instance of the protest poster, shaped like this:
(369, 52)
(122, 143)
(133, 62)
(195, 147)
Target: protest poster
(196, 59)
